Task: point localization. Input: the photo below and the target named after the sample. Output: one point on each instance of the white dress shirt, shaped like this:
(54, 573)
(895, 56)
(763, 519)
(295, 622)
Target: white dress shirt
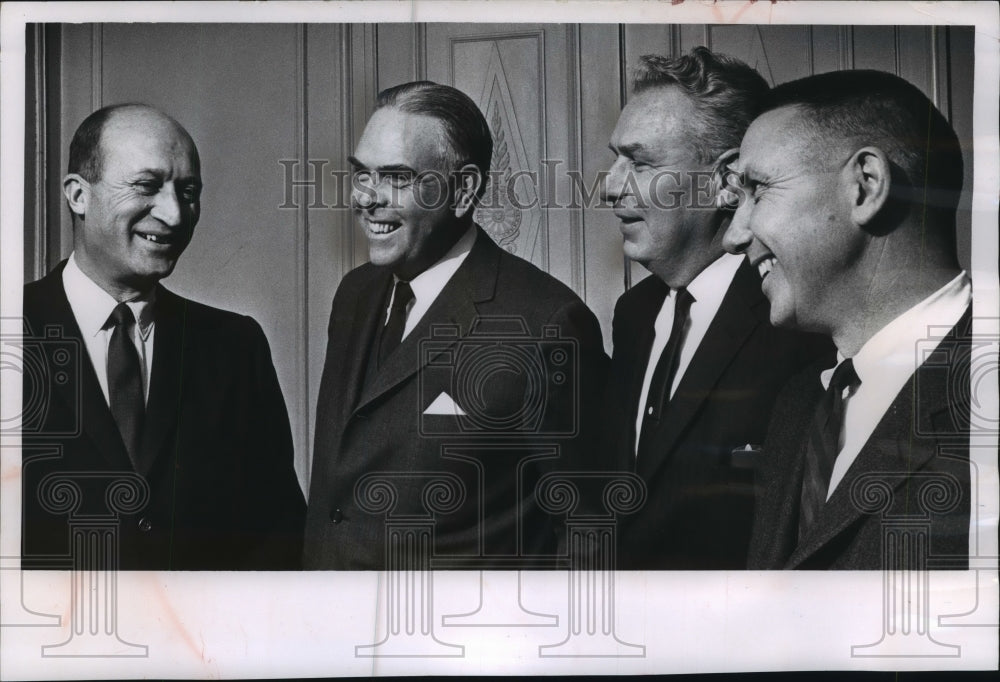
(429, 283)
(887, 361)
(707, 289)
(92, 306)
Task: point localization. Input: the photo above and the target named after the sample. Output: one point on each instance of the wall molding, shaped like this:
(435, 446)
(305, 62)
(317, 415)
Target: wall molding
(96, 67)
(301, 321)
(39, 240)
(577, 217)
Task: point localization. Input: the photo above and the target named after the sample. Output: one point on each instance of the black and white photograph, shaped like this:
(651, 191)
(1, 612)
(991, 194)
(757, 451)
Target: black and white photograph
(409, 338)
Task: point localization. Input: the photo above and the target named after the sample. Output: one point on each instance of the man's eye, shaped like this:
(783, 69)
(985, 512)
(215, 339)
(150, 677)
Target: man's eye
(191, 193)
(399, 179)
(147, 186)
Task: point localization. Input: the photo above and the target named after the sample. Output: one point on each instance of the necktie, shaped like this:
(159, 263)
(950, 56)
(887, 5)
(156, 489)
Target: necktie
(824, 444)
(666, 368)
(125, 381)
(392, 334)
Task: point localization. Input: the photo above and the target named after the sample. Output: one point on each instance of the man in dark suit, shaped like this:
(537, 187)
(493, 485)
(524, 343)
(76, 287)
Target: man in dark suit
(456, 373)
(696, 365)
(160, 416)
(851, 182)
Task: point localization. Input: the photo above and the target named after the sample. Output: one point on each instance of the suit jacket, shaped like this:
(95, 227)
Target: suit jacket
(915, 466)
(699, 504)
(495, 309)
(220, 488)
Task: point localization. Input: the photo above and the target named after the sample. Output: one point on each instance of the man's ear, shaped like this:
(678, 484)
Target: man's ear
(870, 178)
(467, 183)
(722, 182)
(77, 193)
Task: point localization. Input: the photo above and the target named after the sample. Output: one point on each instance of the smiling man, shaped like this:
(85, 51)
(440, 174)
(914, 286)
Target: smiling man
(850, 186)
(696, 364)
(171, 426)
(508, 390)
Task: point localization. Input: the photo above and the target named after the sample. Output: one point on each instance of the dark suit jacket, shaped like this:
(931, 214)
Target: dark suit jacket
(378, 425)
(922, 440)
(699, 504)
(222, 491)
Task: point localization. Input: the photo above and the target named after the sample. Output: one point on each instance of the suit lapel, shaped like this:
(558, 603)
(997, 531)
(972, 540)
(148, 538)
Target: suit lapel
(782, 473)
(894, 446)
(369, 314)
(474, 281)
(647, 308)
(729, 329)
(89, 404)
(165, 378)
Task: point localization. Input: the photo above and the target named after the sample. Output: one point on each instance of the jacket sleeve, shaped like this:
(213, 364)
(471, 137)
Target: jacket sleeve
(275, 507)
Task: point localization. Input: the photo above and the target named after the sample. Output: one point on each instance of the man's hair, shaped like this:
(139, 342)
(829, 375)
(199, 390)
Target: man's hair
(726, 93)
(85, 157)
(464, 124)
(882, 110)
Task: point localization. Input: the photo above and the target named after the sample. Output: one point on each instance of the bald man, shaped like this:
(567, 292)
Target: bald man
(163, 427)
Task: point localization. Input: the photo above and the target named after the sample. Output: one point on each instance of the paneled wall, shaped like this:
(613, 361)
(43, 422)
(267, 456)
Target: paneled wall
(275, 110)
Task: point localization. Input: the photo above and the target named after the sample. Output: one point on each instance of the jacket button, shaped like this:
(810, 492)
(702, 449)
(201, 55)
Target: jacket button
(145, 525)
(336, 516)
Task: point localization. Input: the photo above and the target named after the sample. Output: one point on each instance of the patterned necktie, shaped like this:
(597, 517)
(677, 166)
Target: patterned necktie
(125, 381)
(666, 368)
(392, 334)
(824, 445)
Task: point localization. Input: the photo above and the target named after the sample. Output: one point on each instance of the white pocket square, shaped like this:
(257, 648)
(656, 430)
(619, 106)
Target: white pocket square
(444, 404)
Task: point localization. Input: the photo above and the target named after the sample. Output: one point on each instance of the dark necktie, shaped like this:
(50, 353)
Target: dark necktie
(823, 445)
(666, 368)
(392, 334)
(125, 381)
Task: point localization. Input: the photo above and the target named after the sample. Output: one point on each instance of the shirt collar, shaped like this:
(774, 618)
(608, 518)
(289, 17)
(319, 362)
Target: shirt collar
(892, 351)
(709, 287)
(429, 283)
(92, 305)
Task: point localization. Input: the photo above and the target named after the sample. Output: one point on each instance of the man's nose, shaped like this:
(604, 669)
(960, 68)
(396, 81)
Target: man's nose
(614, 181)
(366, 196)
(738, 236)
(167, 208)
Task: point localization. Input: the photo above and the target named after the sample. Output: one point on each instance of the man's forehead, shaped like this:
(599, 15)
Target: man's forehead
(142, 135)
(396, 137)
(655, 122)
(774, 138)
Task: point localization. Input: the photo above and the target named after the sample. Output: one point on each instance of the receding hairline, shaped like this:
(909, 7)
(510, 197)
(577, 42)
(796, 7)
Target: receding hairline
(139, 111)
(693, 128)
(446, 151)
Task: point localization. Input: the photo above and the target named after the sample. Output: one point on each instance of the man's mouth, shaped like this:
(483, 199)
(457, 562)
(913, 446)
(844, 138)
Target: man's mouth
(765, 265)
(628, 218)
(382, 227)
(159, 238)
